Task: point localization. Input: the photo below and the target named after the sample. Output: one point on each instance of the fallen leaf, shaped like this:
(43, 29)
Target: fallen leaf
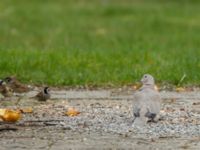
(180, 89)
(72, 112)
(8, 115)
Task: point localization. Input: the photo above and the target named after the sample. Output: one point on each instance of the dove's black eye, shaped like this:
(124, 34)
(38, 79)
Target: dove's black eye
(145, 76)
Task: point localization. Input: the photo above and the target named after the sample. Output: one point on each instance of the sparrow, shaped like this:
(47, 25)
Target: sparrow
(147, 102)
(15, 85)
(43, 95)
(5, 90)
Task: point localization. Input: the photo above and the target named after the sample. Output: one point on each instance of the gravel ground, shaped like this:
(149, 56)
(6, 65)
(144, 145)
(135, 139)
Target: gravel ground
(105, 122)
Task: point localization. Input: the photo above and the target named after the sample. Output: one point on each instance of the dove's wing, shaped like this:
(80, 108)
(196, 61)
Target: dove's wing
(146, 105)
(140, 107)
(153, 101)
(137, 103)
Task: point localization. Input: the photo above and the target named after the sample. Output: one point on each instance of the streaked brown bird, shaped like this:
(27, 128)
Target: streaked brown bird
(43, 95)
(15, 85)
(5, 90)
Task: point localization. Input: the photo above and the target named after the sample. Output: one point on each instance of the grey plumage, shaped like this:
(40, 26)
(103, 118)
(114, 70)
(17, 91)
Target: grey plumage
(147, 102)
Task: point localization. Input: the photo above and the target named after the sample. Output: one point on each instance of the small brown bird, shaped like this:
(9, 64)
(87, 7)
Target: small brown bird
(43, 95)
(5, 90)
(15, 85)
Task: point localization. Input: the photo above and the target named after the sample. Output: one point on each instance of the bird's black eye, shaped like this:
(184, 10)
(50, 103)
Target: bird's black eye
(8, 79)
(145, 76)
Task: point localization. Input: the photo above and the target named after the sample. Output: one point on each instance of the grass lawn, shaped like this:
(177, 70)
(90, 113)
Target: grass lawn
(100, 42)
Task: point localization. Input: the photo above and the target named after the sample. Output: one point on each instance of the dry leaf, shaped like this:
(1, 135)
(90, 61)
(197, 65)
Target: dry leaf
(26, 110)
(10, 115)
(72, 112)
(180, 89)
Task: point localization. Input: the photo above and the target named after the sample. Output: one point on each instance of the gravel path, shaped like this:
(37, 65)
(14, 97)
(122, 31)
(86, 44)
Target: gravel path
(105, 122)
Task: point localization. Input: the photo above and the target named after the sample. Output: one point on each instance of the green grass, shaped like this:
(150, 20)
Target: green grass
(100, 42)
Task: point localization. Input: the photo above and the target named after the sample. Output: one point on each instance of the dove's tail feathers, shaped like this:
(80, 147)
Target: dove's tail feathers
(139, 121)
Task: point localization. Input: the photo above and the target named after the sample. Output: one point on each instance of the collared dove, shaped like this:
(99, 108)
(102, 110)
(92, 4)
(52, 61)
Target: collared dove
(147, 102)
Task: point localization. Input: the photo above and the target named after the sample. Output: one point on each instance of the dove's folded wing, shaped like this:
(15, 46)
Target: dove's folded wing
(153, 101)
(140, 107)
(137, 102)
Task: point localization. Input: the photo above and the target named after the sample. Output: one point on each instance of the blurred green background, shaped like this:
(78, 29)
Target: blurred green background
(100, 42)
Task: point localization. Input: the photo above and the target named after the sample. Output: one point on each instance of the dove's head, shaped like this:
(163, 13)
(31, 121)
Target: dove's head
(147, 79)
